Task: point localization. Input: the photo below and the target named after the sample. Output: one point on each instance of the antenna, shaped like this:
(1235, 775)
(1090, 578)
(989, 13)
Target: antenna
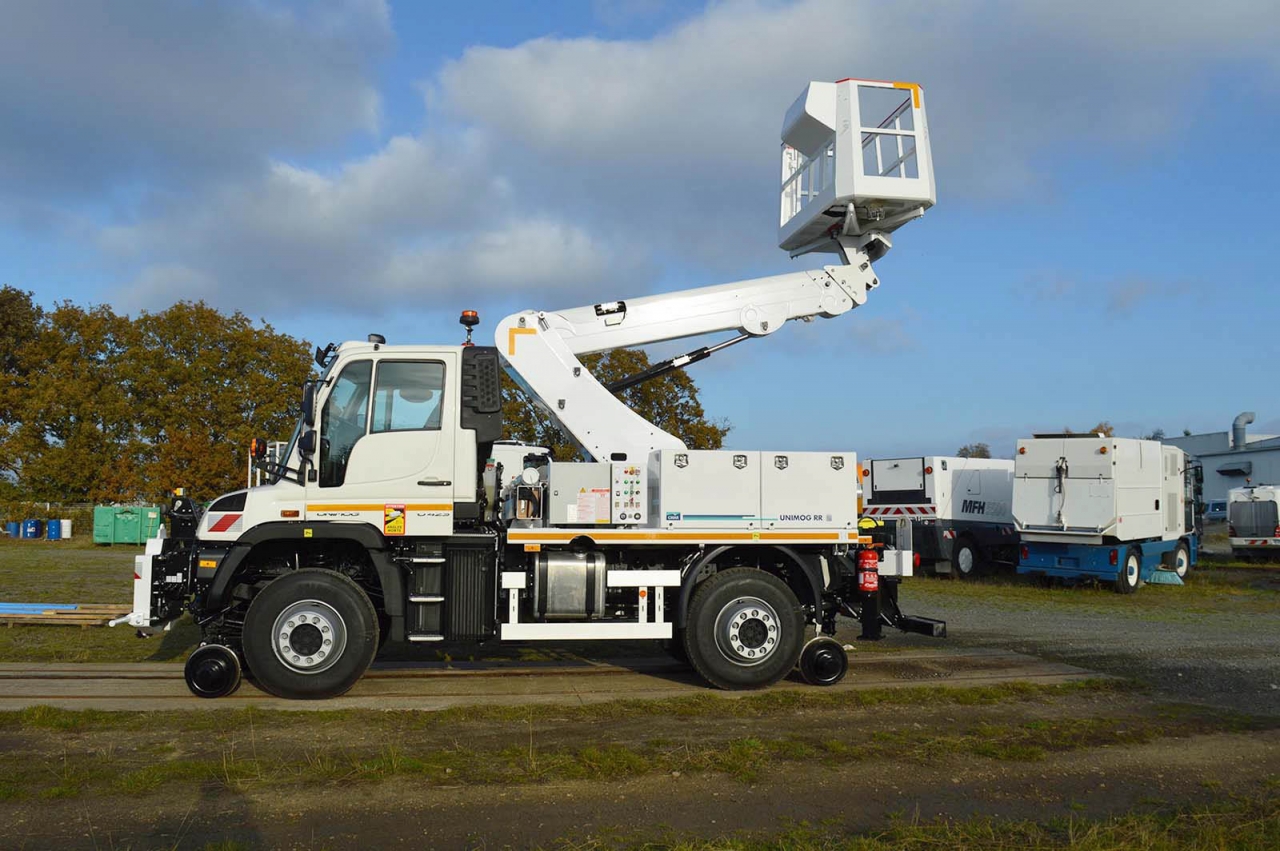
(855, 160)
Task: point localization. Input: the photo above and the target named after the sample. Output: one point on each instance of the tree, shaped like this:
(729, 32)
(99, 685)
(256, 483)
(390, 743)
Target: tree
(1157, 434)
(73, 413)
(669, 402)
(105, 409)
(207, 383)
(20, 322)
(1104, 428)
(974, 450)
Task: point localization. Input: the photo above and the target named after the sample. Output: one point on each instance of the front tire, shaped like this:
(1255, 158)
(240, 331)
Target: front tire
(1182, 561)
(1130, 572)
(745, 629)
(310, 634)
(964, 560)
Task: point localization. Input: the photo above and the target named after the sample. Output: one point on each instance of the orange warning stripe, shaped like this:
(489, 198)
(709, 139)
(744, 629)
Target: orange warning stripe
(915, 92)
(610, 535)
(513, 333)
(429, 506)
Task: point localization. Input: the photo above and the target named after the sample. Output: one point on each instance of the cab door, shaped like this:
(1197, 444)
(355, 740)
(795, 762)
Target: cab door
(387, 435)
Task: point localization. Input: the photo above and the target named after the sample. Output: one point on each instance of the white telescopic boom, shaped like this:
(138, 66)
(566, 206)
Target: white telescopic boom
(542, 347)
(855, 166)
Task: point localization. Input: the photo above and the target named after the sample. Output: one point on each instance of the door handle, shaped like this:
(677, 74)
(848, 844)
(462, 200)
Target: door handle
(434, 483)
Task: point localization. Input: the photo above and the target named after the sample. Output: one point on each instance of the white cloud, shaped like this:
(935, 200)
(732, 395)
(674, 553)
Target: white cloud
(416, 219)
(687, 123)
(563, 165)
(102, 96)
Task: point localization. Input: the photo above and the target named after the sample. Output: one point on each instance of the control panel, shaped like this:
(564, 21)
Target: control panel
(630, 493)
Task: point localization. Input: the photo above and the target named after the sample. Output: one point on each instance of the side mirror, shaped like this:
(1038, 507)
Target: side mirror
(309, 403)
(1199, 475)
(307, 443)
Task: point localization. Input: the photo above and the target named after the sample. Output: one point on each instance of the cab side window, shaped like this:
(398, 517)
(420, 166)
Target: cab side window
(409, 396)
(343, 420)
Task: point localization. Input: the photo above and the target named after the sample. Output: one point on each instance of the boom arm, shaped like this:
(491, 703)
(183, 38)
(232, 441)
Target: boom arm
(541, 348)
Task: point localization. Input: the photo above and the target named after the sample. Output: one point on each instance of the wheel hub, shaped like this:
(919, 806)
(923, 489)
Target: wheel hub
(747, 631)
(310, 636)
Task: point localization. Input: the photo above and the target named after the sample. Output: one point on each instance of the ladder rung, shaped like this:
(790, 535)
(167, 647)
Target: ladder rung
(426, 598)
(417, 638)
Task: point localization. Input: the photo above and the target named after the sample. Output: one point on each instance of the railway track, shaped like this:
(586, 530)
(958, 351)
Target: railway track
(436, 686)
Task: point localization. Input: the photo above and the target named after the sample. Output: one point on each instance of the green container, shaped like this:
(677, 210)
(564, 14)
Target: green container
(104, 524)
(125, 524)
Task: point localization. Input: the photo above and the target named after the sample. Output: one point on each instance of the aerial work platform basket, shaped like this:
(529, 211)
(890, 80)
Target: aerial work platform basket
(855, 158)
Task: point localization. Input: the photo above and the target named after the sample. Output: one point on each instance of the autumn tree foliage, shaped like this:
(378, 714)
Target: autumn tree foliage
(974, 450)
(100, 407)
(97, 407)
(669, 402)
(1103, 428)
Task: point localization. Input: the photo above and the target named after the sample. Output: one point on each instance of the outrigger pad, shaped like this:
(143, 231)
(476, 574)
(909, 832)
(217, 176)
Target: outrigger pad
(923, 626)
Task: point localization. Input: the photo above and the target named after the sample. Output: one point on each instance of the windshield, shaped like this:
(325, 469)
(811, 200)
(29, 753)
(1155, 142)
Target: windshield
(282, 461)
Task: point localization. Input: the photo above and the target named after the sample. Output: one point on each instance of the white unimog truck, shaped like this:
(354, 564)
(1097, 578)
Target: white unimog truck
(961, 509)
(1253, 521)
(396, 512)
(1116, 509)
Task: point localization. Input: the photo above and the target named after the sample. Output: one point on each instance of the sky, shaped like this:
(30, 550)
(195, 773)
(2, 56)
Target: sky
(1103, 245)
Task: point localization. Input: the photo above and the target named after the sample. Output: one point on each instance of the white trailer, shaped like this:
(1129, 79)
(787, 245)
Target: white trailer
(1253, 521)
(399, 512)
(1111, 508)
(961, 509)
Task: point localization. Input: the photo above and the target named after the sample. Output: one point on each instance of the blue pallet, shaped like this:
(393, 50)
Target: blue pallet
(35, 608)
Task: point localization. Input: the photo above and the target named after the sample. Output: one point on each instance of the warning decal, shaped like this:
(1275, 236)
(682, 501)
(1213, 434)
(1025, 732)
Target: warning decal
(393, 519)
(592, 506)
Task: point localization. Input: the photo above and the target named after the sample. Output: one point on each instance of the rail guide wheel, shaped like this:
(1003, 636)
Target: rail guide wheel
(823, 662)
(213, 670)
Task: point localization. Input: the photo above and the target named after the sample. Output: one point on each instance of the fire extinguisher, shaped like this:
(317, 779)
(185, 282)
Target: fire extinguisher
(868, 571)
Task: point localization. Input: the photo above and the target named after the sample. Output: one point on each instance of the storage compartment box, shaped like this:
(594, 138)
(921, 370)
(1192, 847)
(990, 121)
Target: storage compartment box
(805, 490)
(706, 488)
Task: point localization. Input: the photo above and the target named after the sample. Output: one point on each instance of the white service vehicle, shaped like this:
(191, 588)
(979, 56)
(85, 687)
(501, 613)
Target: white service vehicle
(961, 509)
(398, 511)
(1112, 508)
(1253, 521)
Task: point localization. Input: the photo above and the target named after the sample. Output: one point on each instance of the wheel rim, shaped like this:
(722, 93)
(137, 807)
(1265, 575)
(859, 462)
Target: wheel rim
(1131, 571)
(309, 636)
(964, 560)
(1180, 562)
(747, 631)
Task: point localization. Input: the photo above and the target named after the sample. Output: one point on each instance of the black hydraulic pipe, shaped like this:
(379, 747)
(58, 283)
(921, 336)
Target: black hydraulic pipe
(671, 364)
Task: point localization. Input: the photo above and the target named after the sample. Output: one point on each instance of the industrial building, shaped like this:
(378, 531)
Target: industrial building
(1234, 458)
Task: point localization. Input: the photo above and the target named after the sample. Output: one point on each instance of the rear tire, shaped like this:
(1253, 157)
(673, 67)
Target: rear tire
(1130, 574)
(745, 629)
(310, 634)
(964, 560)
(1181, 561)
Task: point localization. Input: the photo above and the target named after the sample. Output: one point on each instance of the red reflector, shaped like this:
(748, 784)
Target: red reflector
(136, 576)
(1026, 553)
(915, 559)
(928, 471)
(1114, 557)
